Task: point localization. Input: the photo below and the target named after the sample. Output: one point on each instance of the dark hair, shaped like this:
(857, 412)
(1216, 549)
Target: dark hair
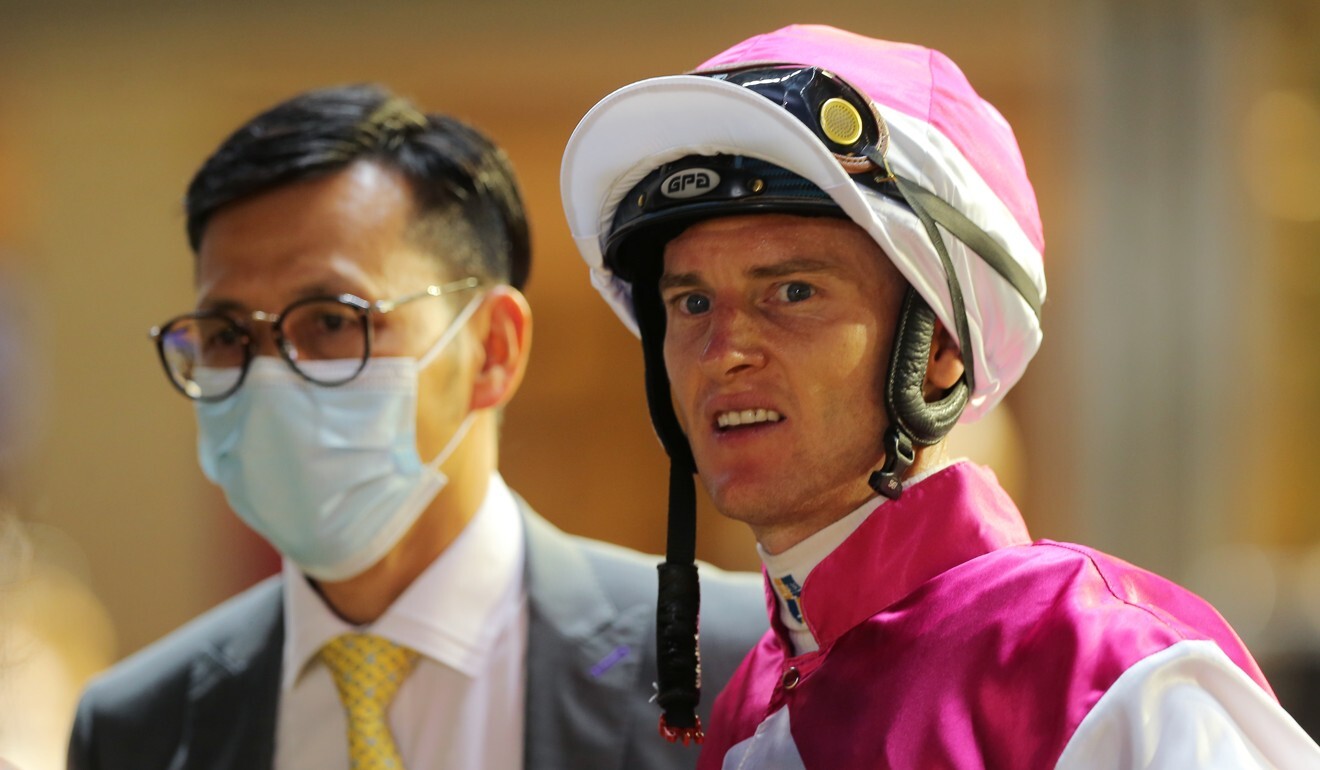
(451, 167)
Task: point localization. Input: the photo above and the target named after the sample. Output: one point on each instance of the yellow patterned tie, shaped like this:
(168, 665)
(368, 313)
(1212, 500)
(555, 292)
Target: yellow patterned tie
(368, 671)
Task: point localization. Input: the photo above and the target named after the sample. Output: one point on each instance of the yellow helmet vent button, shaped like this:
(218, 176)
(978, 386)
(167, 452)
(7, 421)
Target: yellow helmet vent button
(840, 121)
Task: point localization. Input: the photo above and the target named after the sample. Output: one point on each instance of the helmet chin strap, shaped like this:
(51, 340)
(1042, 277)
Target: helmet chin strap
(913, 421)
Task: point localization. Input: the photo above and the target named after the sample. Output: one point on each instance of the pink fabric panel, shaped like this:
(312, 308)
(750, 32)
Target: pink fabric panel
(1183, 611)
(745, 702)
(994, 664)
(919, 82)
(916, 545)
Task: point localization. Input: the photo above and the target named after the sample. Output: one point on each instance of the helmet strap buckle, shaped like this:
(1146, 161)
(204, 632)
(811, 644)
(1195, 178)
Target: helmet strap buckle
(899, 456)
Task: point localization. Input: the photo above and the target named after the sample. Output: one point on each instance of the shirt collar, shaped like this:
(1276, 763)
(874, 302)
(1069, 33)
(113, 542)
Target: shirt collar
(789, 569)
(953, 516)
(800, 559)
(449, 614)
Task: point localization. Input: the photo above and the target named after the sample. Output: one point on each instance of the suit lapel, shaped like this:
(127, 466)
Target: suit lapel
(233, 695)
(583, 657)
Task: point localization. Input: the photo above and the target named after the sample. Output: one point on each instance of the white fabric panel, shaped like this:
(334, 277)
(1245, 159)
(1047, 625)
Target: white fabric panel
(946, 172)
(771, 747)
(1187, 707)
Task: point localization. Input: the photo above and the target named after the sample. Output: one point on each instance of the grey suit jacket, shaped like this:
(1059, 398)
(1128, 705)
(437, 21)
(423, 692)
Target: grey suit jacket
(206, 696)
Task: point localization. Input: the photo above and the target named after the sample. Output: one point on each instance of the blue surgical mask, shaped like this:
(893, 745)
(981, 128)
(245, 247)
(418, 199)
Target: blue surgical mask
(329, 476)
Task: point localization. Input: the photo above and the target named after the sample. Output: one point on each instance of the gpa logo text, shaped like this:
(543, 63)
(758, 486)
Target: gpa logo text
(689, 183)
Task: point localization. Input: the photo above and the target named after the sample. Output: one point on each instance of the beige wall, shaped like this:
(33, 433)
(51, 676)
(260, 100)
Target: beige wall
(104, 114)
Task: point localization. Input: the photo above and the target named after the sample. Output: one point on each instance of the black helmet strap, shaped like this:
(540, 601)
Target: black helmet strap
(678, 657)
(913, 421)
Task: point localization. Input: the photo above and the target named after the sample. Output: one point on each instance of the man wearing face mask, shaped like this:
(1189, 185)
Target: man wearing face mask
(358, 327)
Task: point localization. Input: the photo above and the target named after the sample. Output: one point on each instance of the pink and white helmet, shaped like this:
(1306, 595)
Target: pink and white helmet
(941, 135)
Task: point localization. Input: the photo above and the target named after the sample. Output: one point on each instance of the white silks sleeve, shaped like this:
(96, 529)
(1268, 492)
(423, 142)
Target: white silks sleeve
(1187, 707)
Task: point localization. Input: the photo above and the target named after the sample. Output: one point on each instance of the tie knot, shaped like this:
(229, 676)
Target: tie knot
(367, 669)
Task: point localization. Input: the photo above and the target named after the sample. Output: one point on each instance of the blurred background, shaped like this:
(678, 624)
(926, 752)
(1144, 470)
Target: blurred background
(1171, 417)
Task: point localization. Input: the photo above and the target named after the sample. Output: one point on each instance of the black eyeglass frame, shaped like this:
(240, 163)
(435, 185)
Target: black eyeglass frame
(364, 308)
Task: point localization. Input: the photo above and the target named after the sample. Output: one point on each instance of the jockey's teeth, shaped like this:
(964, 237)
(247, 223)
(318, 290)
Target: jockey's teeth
(746, 417)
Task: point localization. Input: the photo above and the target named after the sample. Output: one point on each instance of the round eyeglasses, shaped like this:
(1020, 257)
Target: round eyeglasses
(206, 354)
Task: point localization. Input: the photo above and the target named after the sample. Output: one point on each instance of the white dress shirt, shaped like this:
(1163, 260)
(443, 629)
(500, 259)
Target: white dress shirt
(466, 616)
